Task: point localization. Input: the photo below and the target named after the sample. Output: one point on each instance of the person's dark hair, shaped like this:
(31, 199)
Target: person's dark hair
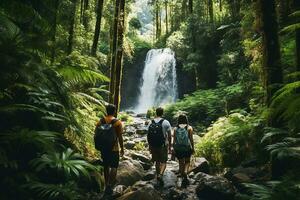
(110, 109)
(182, 119)
(159, 111)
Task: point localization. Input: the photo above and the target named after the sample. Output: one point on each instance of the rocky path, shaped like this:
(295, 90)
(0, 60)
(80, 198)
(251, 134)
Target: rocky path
(136, 174)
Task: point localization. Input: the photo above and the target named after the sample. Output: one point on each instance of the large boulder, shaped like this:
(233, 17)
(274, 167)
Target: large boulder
(200, 165)
(214, 187)
(141, 191)
(129, 172)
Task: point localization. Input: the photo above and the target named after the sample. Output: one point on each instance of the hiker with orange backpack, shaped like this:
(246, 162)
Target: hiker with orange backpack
(109, 141)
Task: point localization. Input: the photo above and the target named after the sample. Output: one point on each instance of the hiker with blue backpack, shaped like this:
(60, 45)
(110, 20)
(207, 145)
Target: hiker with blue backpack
(109, 141)
(183, 146)
(159, 138)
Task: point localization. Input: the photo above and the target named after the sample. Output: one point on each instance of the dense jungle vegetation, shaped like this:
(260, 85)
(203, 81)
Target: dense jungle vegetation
(63, 60)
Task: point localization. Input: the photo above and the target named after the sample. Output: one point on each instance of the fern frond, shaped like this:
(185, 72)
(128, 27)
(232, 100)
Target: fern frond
(67, 191)
(75, 76)
(271, 132)
(68, 162)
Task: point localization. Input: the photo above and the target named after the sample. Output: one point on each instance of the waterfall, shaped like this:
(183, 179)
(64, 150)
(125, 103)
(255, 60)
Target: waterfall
(159, 84)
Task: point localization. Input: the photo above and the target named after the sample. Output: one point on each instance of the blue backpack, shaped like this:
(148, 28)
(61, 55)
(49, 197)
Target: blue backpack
(182, 141)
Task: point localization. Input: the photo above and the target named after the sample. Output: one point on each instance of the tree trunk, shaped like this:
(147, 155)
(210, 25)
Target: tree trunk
(113, 53)
(271, 49)
(183, 9)
(157, 18)
(97, 27)
(119, 58)
(190, 6)
(85, 18)
(81, 11)
(167, 18)
(54, 31)
(72, 27)
(297, 8)
(220, 5)
(211, 11)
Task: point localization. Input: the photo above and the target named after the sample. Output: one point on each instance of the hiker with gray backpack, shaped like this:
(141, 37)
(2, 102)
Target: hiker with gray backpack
(183, 146)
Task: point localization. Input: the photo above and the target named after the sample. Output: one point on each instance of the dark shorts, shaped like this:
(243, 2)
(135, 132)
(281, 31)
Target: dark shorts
(183, 154)
(110, 159)
(159, 154)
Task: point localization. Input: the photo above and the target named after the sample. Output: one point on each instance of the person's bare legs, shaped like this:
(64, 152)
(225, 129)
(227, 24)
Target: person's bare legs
(187, 164)
(157, 168)
(162, 168)
(181, 167)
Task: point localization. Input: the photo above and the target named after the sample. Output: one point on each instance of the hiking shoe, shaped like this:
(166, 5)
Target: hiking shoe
(108, 190)
(160, 180)
(185, 182)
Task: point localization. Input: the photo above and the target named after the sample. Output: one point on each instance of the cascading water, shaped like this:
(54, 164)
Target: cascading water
(159, 84)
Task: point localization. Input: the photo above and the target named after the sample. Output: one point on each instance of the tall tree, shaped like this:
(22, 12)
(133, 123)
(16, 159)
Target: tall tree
(113, 53)
(72, 27)
(119, 57)
(297, 8)
(271, 49)
(85, 18)
(157, 19)
(167, 18)
(97, 27)
(56, 3)
(210, 10)
(190, 6)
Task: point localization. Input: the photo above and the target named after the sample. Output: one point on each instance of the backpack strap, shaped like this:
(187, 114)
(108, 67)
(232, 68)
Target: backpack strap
(102, 121)
(114, 121)
(161, 121)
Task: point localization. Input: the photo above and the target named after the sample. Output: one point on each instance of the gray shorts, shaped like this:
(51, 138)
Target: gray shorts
(159, 154)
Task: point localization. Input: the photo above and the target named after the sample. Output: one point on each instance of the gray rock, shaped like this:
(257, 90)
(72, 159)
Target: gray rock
(141, 157)
(141, 191)
(129, 145)
(149, 176)
(146, 166)
(119, 189)
(129, 172)
(142, 130)
(214, 187)
(196, 138)
(200, 165)
(129, 130)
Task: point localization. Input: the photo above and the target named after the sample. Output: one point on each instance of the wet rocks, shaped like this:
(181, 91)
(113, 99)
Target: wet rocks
(129, 172)
(214, 187)
(129, 145)
(200, 165)
(141, 190)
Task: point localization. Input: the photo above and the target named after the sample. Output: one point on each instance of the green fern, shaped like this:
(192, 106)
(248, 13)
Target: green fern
(261, 192)
(286, 104)
(71, 164)
(67, 191)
